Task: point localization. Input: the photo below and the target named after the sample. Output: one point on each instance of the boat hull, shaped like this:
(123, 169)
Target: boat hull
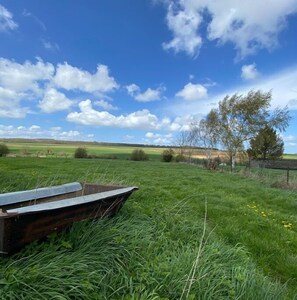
(21, 226)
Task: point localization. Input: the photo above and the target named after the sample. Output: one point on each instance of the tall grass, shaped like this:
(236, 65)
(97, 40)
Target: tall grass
(165, 243)
(129, 257)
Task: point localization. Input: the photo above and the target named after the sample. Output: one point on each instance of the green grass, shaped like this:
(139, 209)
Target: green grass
(156, 247)
(67, 150)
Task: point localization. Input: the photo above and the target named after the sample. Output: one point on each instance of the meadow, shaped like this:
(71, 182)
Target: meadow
(188, 233)
(67, 150)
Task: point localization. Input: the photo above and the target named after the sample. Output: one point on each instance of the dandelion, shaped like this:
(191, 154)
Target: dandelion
(287, 225)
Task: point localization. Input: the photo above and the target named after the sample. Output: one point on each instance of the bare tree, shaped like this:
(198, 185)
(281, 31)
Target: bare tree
(185, 142)
(204, 137)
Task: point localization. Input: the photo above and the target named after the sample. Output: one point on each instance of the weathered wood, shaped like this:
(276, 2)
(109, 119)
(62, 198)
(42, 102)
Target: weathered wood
(22, 225)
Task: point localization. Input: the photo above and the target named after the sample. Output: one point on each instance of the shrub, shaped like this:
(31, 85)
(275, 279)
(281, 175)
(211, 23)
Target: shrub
(179, 158)
(3, 150)
(167, 155)
(138, 155)
(81, 153)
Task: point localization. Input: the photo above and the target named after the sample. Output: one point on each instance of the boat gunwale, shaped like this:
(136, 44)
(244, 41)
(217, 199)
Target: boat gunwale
(59, 204)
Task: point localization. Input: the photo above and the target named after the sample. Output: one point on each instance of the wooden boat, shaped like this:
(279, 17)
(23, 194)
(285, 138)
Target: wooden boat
(31, 215)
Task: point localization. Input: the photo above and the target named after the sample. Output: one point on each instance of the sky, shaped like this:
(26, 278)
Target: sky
(140, 71)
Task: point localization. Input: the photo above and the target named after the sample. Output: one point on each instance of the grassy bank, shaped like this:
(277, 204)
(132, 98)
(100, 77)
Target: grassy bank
(188, 233)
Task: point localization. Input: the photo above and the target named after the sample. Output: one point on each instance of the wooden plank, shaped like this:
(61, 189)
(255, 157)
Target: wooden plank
(22, 196)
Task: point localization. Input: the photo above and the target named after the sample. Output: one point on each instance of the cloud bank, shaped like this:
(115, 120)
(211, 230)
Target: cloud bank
(241, 23)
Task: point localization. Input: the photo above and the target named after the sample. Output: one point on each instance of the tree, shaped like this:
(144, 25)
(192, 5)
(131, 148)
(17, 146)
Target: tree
(239, 118)
(266, 145)
(204, 135)
(81, 153)
(185, 142)
(139, 155)
(3, 150)
(167, 155)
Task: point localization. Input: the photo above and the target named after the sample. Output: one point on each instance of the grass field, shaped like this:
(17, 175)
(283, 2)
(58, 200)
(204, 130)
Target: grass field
(67, 150)
(188, 233)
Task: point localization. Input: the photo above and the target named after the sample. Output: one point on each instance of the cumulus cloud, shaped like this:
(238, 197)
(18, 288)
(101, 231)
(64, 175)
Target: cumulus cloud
(158, 139)
(192, 92)
(142, 119)
(183, 123)
(242, 23)
(36, 131)
(133, 89)
(147, 96)
(24, 77)
(72, 78)
(184, 24)
(53, 101)
(249, 72)
(9, 104)
(40, 81)
(6, 20)
(105, 105)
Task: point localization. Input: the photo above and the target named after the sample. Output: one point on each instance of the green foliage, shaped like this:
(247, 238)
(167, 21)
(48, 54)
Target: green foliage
(3, 150)
(139, 155)
(180, 158)
(167, 155)
(266, 145)
(151, 247)
(80, 152)
(239, 118)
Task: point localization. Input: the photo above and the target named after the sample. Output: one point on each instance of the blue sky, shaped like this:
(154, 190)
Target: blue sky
(139, 71)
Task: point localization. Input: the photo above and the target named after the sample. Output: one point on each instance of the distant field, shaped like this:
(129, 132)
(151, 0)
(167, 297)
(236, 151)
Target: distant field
(67, 150)
(62, 150)
(290, 156)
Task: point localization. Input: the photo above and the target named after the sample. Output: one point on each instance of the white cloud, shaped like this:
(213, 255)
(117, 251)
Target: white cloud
(242, 23)
(53, 101)
(39, 83)
(147, 96)
(56, 128)
(24, 77)
(183, 123)
(36, 131)
(50, 45)
(133, 89)
(249, 72)
(158, 139)
(9, 104)
(138, 120)
(290, 140)
(282, 85)
(105, 105)
(72, 78)
(20, 82)
(6, 21)
(192, 92)
(34, 128)
(184, 24)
